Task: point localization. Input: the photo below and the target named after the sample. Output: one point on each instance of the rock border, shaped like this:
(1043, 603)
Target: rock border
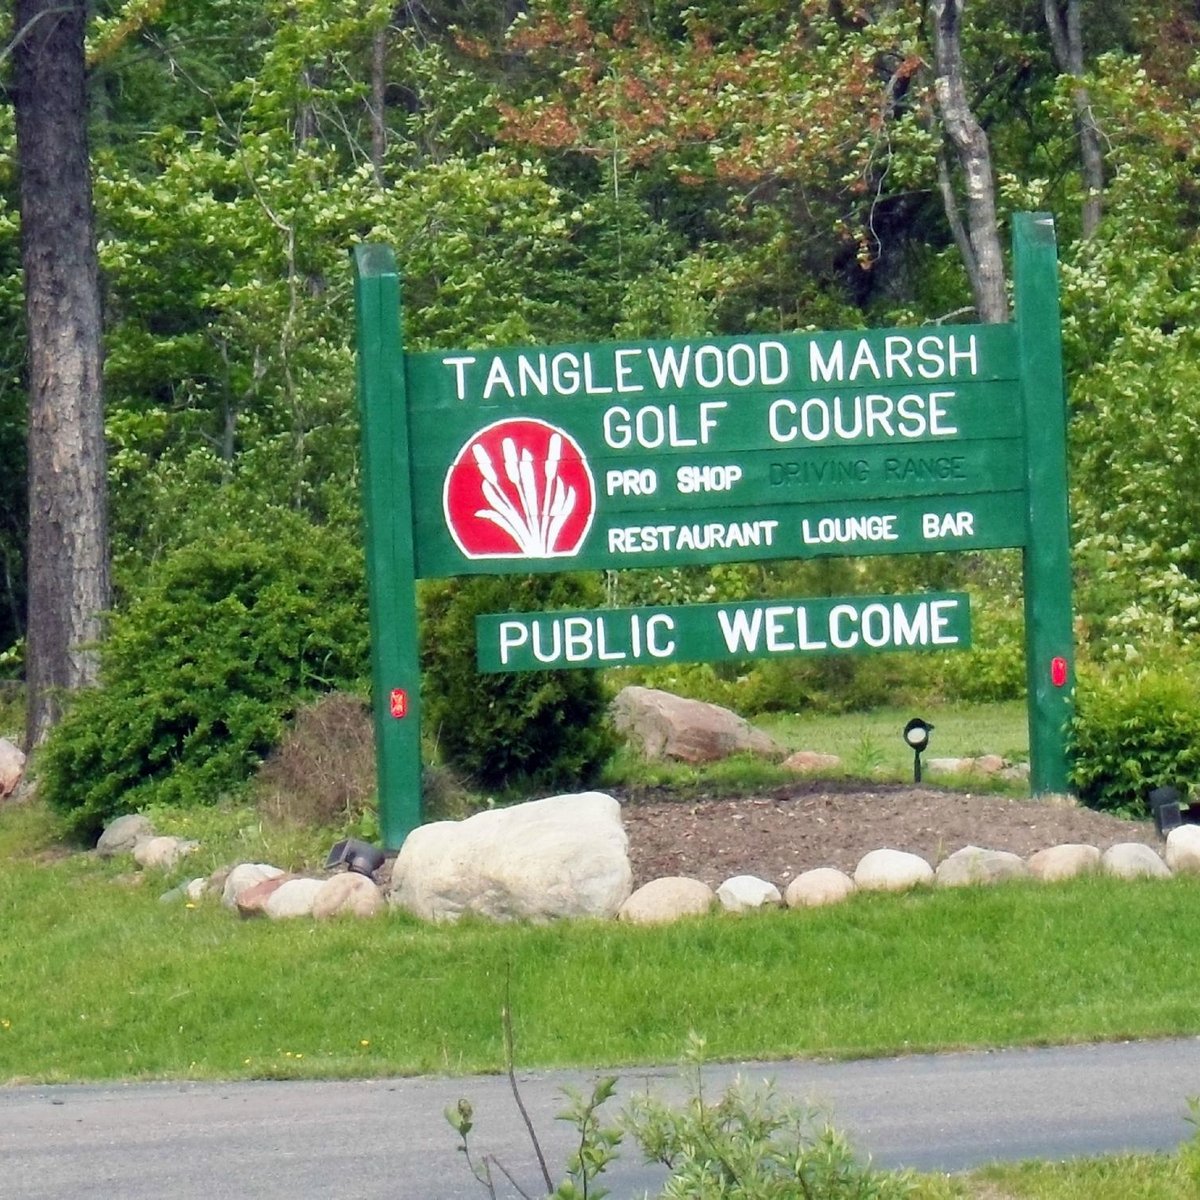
(259, 889)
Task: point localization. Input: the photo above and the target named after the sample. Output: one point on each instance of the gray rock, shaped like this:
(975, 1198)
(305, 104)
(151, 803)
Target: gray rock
(1133, 860)
(972, 864)
(668, 899)
(1063, 862)
(564, 856)
(661, 725)
(820, 886)
(888, 870)
(743, 893)
(120, 836)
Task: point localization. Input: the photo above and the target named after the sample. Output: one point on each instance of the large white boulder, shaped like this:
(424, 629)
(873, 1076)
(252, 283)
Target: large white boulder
(662, 725)
(667, 899)
(889, 870)
(564, 856)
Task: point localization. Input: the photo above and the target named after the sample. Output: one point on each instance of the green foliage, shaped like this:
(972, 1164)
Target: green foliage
(751, 1145)
(534, 728)
(199, 672)
(1132, 733)
(748, 1144)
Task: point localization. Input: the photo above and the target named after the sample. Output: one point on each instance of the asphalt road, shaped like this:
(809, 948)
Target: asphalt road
(388, 1138)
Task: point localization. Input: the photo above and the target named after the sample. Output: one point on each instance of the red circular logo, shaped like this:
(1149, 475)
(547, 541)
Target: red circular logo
(519, 489)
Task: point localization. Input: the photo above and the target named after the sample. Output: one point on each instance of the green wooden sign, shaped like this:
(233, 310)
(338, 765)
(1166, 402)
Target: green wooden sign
(708, 450)
(623, 637)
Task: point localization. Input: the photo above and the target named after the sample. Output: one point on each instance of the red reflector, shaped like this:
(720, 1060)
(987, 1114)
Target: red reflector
(1058, 671)
(399, 703)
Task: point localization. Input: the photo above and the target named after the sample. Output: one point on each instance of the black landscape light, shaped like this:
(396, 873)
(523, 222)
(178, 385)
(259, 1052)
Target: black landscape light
(1166, 809)
(360, 857)
(916, 734)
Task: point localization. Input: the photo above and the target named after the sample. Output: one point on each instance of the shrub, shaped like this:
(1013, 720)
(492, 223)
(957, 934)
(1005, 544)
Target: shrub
(524, 729)
(1134, 733)
(323, 771)
(201, 669)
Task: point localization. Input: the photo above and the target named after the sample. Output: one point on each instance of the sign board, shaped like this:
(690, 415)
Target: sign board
(624, 637)
(707, 450)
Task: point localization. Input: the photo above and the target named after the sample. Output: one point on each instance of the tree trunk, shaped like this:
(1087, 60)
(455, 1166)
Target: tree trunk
(378, 107)
(985, 258)
(68, 542)
(1066, 37)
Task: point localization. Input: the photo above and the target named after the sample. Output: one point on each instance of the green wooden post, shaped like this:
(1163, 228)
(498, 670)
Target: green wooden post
(1049, 646)
(391, 574)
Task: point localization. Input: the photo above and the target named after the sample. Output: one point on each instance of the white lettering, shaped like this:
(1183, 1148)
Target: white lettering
(498, 377)
(624, 370)
(460, 365)
(513, 635)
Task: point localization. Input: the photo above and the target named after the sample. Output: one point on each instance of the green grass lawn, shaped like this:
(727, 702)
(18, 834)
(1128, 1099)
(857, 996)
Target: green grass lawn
(102, 981)
(870, 742)
(114, 983)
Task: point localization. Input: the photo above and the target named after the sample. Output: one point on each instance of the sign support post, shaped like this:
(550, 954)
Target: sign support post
(391, 566)
(1049, 646)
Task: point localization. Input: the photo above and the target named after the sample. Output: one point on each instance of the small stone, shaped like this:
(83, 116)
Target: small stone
(12, 767)
(667, 899)
(252, 901)
(743, 893)
(888, 870)
(195, 889)
(1133, 860)
(1183, 849)
(973, 864)
(805, 761)
(161, 853)
(243, 876)
(820, 886)
(348, 894)
(1063, 862)
(1016, 772)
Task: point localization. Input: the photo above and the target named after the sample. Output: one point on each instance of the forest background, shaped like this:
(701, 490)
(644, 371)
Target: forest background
(594, 170)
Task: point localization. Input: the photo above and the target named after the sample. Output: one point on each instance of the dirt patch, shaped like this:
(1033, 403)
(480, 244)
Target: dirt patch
(793, 829)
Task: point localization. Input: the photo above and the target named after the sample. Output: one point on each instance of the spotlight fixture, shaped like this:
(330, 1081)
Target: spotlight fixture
(360, 857)
(916, 735)
(1166, 806)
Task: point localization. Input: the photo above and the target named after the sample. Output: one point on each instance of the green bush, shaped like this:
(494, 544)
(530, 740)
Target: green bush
(201, 669)
(1134, 733)
(519, 730)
